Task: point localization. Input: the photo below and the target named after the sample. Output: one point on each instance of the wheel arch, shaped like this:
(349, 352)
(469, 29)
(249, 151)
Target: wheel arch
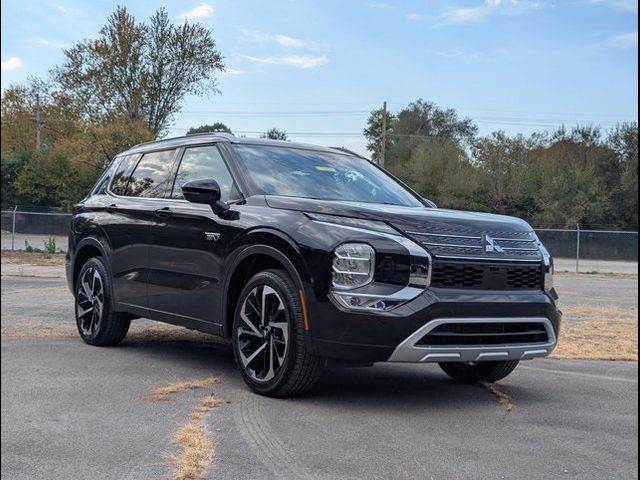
(87, 248)
(263, 249)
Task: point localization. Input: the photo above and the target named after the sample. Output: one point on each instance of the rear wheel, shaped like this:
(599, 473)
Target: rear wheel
(97, 323)
(472, 372)
(268, 337)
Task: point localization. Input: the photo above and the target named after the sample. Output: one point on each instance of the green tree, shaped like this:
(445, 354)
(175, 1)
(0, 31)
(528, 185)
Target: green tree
(275, 134)
(439, 169)
(141, 70)
(11, 167)
(573, 179)
(373, 132)
(624, 141)
(503, 164)
(215, 127)
(51, 181)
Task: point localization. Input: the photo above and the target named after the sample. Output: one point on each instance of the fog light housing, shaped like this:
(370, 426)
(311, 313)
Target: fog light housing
(353, 265)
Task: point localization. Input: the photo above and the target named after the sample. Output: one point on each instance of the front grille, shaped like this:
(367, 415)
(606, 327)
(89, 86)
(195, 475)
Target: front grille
(446, 241)
(486, 276)
(477, 334)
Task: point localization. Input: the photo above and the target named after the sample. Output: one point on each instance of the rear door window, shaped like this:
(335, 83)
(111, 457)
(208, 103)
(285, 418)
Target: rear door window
(152, 176)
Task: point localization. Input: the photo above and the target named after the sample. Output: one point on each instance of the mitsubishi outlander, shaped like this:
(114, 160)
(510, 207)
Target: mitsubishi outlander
(305, 256)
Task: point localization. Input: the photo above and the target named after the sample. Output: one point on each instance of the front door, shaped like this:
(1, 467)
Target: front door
(188, 244)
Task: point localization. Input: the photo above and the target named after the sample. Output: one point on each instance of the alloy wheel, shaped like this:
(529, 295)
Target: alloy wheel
(263, 333)
(90, 302)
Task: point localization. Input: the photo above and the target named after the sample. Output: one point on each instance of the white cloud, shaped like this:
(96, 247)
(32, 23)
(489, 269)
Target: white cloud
(48, 43)
(623, 40)
(629, 6)
(13, 63)
(61, 8)
(254, 36)
(203, 10)
(414, 16)
(290, 41)
(469, 15)
(299, 61)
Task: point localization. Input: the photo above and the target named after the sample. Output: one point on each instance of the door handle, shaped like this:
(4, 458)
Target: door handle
(163, 212)
(112, 208)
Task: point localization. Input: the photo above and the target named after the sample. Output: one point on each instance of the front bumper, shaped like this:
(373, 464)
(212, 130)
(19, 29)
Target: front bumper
(392, 336)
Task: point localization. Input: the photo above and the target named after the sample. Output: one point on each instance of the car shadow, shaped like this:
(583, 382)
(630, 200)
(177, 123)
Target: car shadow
(381, 387)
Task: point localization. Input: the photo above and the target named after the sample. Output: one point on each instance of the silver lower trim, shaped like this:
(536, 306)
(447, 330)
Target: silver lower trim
(408, 351)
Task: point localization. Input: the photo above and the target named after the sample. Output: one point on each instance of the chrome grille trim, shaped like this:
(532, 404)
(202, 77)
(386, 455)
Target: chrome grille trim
(411, 351)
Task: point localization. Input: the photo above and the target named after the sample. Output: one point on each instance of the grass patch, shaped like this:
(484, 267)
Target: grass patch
(595, 273)
(598, 333)
(32, 258)
(164, 393)
(197, 449)
(503, 399)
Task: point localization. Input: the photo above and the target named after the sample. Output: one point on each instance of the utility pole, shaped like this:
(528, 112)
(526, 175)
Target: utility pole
(383, 147)
(38, 122)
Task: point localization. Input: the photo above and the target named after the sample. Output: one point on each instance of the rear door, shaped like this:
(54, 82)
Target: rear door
(188, 246)
(140, 182)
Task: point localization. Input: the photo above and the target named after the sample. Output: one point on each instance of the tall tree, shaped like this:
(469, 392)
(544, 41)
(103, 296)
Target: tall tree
(141, 70)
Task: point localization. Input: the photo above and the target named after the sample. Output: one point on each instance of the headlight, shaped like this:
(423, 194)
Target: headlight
(353, 265)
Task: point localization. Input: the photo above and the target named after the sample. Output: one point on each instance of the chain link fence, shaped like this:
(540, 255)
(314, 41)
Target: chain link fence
(24, 227)
(29, 228)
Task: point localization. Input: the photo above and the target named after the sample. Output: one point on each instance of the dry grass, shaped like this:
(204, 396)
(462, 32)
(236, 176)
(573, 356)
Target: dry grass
(31, 258)
(503, 399)
(197, 449)
(595, 273)
(598, 333)
(163, 393)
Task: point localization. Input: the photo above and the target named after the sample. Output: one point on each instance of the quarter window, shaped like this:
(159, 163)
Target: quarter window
(152, 177)
(200, 163)
(122, 174)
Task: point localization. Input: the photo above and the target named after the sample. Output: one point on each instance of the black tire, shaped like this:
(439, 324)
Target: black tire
(480, 371)
(297, 370)
(97, 323)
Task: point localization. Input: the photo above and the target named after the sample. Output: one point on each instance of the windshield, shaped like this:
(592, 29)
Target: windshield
(296, 172)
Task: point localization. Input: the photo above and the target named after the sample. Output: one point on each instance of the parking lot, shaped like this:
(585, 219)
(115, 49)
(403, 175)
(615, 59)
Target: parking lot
(74, 411)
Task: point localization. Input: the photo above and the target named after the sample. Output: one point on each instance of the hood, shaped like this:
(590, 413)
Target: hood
(445, 233)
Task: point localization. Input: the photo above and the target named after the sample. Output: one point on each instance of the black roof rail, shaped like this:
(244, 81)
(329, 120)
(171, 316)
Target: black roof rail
(213, 132)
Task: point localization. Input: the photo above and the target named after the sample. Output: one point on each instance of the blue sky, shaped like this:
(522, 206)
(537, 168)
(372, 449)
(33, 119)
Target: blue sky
(315, 68)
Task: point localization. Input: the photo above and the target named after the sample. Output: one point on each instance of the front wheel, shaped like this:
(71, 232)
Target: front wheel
(472, 372)
(268, 337)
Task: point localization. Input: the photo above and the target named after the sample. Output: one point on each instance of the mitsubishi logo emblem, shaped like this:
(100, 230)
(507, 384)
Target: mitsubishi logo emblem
(490, 245)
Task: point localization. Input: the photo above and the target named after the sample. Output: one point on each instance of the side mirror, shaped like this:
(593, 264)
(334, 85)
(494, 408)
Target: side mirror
(205, 191)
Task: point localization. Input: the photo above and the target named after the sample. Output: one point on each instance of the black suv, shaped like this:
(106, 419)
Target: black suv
(305, 256)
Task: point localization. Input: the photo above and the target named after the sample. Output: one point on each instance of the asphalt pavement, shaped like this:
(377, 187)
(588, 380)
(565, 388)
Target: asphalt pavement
(73, 411)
